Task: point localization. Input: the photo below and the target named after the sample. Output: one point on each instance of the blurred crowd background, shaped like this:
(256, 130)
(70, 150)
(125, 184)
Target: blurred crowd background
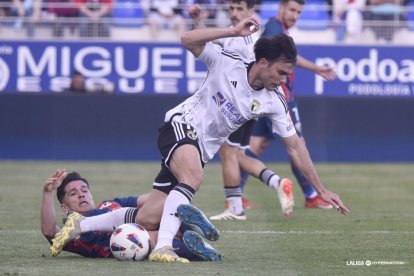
(321, 22)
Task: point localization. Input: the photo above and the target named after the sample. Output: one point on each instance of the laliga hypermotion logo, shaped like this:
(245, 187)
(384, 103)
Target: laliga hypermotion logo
(4, 74)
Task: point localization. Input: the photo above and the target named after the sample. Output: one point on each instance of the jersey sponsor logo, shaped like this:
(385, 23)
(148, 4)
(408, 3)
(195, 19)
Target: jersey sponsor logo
(255, 106)
(234, 83)
(228, 109)
(219, 99)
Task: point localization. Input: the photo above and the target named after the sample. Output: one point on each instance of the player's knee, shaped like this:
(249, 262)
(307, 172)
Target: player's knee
(261, 147)
(150, 223)
(148, 220)
(228, 155)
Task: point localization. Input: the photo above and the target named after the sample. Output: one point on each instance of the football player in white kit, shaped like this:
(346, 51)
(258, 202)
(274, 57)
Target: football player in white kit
(194, 130)
(238, 141)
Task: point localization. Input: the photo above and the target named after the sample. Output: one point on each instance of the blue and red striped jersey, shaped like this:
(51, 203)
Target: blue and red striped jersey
(96, 244)
(275, 27)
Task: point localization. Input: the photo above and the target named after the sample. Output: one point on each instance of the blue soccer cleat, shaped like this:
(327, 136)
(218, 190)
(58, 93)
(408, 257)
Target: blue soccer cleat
(197, 221)
(196, 244)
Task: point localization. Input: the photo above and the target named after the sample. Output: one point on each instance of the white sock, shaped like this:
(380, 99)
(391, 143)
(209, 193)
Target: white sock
(235, 204)
(313, 195)
(234, 198)
(170, 223)
(270, 178)
(274, 182)
(106, 222)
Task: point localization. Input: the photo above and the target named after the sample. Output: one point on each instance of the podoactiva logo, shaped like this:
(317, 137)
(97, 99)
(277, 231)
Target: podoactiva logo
(4, 74)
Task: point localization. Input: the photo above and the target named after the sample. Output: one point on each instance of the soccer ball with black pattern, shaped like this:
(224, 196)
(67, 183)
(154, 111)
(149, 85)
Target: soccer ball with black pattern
(130, 242)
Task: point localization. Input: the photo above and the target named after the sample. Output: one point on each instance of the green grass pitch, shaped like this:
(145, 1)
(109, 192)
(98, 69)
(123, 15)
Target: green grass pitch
(380, 227)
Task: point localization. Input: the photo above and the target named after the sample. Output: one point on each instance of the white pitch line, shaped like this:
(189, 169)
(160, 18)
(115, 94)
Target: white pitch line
(264, 232)
(314, 232)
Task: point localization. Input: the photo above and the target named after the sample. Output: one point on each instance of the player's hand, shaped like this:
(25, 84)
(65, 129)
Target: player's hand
(247, 26)
(194, 11)
(335, 201)
(54, 181)
(327, 73)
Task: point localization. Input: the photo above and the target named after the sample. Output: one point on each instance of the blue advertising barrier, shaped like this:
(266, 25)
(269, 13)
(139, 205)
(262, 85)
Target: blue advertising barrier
(104, 127)
(344, 120)
(144, 68)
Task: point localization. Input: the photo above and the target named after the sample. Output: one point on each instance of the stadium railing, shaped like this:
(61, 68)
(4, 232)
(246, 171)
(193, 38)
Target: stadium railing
(128, 22)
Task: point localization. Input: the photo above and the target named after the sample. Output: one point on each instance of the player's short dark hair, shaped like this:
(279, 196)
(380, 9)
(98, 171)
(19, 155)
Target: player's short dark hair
(249, 3)
(73, 176)
(300, 2)
(276, 48)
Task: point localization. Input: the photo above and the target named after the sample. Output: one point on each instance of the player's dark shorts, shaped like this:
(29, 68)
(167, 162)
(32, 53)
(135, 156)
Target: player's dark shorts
(241, 137)
(171, 136)
(263, 127)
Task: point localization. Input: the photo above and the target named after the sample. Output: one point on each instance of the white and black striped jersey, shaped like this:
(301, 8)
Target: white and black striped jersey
(244, 46)
(226, 100)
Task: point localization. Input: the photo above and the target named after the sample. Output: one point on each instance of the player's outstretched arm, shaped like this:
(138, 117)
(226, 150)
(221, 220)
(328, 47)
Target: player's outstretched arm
(195, 40)
(47, 212)
(299, 154)
(325, 72)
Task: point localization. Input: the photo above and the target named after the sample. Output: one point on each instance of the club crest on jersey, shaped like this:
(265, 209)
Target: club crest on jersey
(255, 106)
(219, 99)
(191, 134)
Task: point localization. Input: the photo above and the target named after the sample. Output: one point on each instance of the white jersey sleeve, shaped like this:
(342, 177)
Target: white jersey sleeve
(283, 126)
(281, 122)
(211, 55)
(244, 46)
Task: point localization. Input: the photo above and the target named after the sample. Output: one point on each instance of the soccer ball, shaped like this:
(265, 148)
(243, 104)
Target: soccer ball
(130, 242)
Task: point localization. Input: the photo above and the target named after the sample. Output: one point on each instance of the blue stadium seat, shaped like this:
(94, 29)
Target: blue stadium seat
(314, 17)
(127, 13)
(410, 15)
(268, 9)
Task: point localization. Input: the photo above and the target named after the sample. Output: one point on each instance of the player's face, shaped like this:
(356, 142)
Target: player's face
(275, 73)
(290, 12)
(77, 198)
(238, 12)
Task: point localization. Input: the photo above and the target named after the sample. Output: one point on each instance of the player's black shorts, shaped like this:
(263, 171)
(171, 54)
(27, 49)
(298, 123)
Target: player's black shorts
(171, 136)
(241, 137)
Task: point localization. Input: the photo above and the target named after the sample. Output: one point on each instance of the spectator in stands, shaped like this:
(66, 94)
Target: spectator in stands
(5, 7)
(77, 85)
(27, 13)
(95, 15)
(349, 18)
(385, 17)
(222, 14)
(208, 11)
(165, 14)
(63, 10)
